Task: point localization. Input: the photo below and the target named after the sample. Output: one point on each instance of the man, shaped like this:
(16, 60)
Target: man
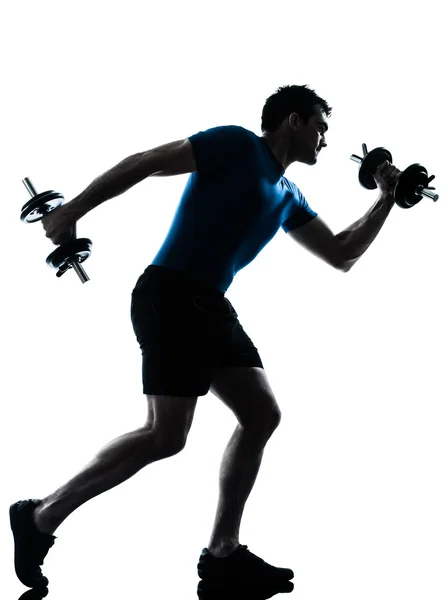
(234, 202)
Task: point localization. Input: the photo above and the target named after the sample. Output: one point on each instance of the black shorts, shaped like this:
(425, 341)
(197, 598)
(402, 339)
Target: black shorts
(185, 330)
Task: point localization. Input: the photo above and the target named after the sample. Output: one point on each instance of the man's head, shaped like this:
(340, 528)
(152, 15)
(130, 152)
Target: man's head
(294, 123)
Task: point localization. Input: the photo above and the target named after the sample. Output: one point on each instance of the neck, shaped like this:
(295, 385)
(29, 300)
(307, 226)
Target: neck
(279, 148)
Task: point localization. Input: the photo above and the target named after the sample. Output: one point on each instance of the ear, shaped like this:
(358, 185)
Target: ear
(295, 122)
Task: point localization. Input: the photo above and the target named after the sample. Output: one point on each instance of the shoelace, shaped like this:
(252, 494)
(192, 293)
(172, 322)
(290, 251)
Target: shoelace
(253, 557)
(22, 503)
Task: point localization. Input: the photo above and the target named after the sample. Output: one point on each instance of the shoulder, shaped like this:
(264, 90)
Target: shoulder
(294, 189)
(221, 146)
(224, 133)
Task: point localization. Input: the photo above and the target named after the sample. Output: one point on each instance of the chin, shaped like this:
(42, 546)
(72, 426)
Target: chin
(308, 160)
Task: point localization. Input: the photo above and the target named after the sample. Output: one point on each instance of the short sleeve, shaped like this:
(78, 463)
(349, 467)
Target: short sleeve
(301, 213)
(219, 147)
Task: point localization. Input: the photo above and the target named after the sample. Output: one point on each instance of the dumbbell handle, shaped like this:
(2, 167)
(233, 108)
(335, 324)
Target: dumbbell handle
(77, 267)
(73, 263)
(32, 191)
(420, 189)
(30, 187)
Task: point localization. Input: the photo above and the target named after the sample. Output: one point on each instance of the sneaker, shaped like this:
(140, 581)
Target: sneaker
(215, 591)
(31, 545)
(239, 567)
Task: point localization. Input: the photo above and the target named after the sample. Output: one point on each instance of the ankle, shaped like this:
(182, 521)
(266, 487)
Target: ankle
(222, 552)
(223, 547)
(43, 521)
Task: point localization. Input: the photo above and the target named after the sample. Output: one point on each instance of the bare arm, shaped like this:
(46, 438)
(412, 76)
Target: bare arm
(357, 237)
(175, 158)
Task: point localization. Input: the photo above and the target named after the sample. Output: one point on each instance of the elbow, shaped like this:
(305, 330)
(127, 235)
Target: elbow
(343, 264)
(347, 265)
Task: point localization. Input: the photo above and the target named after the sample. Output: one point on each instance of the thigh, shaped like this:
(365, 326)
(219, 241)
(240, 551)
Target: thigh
(182, 331)
(172, 418)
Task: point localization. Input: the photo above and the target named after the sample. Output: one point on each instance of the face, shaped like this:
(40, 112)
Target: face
(308, 139)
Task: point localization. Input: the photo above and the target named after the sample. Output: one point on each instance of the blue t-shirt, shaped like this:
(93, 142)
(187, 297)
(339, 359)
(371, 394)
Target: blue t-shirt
(232, 206)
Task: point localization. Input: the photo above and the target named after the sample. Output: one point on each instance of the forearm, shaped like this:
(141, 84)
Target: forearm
(357, 238)
(114, 182)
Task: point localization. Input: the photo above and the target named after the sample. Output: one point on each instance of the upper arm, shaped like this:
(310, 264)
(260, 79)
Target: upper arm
(316, 237)
(175, 158)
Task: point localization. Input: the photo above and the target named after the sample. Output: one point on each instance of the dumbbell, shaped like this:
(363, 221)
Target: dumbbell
(67, 256)
(412, 184)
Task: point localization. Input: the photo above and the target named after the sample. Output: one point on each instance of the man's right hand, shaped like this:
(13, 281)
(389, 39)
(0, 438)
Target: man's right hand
(60, 224)
(386, 177)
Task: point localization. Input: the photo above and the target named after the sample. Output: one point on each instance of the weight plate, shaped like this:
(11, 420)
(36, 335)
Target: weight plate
(370, 164)
(405, 192)
(39, 206)
(78, 250)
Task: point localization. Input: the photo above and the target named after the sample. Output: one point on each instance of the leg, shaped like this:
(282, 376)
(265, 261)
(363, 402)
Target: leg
(151, 415)
(122, 458)
(246, 391)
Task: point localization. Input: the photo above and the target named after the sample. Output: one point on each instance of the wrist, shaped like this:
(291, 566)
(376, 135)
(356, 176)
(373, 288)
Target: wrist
(80, 206)
(387, 198)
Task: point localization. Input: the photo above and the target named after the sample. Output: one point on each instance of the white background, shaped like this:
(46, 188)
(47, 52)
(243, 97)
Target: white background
(352, 492)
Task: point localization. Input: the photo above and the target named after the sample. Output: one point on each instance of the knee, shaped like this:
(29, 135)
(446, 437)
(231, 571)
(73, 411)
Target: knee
(272, 420)
(263, 426)
(170, 444)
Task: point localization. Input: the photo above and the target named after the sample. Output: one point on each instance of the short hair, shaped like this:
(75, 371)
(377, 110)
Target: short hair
(290, 99)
